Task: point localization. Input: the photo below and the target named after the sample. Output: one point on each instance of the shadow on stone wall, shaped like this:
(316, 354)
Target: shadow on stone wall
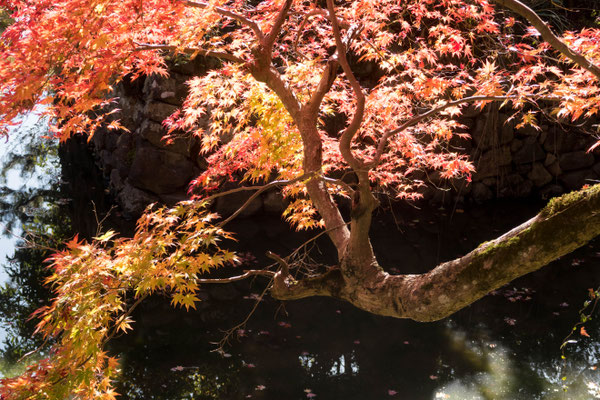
(510, 162)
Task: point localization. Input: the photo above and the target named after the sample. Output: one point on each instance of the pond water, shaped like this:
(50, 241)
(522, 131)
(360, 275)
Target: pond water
(505, 346)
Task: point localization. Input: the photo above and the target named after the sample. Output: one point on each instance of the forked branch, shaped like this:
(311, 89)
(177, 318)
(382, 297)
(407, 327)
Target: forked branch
(565, 224)
(229, 14)
(351, 130)
(277, 25)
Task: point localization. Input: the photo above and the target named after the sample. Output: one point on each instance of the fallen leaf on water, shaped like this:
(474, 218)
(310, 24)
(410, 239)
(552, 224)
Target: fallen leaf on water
(583, 332)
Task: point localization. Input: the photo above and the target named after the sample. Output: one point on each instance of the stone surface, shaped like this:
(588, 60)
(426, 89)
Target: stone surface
(551, 190)
(529, 153)
(492, 163)
(172, 90)
(160, 171)
(154, 133)
(576, 179)
(516, 145)
(133, 201)
(576, 160)
(539, 175)
(481, 193)
(514, 185)
(550, 159)
(554, 169)
(560, 142)
(596, 169)
(528, 130)
(158, 111)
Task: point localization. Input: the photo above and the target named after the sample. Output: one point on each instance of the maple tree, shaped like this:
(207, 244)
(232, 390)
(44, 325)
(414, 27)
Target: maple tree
(265, 116)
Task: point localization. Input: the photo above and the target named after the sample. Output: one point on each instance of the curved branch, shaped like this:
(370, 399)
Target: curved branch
(229, 14)
(245, 275)
(276, 28)
(327, 78)
(565, 224)
(415, 120)
(530, 15)
(357, 118)
(259, 190)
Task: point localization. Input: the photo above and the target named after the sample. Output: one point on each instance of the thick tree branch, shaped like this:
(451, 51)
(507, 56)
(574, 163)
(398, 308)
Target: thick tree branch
(229, 14)
(276, 28)
(357, 118)
(565, 224)
(190, 50)
(327, 78)
(549, 36)
(263, 71)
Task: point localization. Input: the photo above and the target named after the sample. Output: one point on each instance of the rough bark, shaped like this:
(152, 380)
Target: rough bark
(566, 223)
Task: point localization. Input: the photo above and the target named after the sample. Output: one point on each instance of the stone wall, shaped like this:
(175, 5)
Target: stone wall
(510, 162)
(526, 162)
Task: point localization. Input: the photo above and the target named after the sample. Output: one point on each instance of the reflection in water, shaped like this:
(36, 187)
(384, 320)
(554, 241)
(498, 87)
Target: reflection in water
(503, 347)
(31, 223)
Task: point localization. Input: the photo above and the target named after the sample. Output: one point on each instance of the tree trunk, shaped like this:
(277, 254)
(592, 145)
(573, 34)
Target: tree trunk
(566, 223)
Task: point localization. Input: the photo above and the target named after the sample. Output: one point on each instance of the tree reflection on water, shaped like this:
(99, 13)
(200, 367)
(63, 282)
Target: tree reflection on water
(506, 346)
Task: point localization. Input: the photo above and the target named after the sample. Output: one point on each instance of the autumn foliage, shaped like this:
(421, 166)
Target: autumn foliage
(326, 101)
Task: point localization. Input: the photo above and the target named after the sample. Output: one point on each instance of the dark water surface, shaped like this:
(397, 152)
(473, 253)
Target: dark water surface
(505, 346)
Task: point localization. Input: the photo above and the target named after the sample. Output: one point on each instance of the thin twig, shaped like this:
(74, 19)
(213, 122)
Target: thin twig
(229, 14)
(246, 274)
(189, 50)
(413, 121)
(259, 190)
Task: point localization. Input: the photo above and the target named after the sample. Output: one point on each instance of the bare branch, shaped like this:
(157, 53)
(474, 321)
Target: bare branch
(285, 268)
(190, 50)
(276, 28)
(245, 275)
(354, 126)
(415, 120)
(259, 190)
(544, 30)
(339, 182)
(327, 78)
(229, 14)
